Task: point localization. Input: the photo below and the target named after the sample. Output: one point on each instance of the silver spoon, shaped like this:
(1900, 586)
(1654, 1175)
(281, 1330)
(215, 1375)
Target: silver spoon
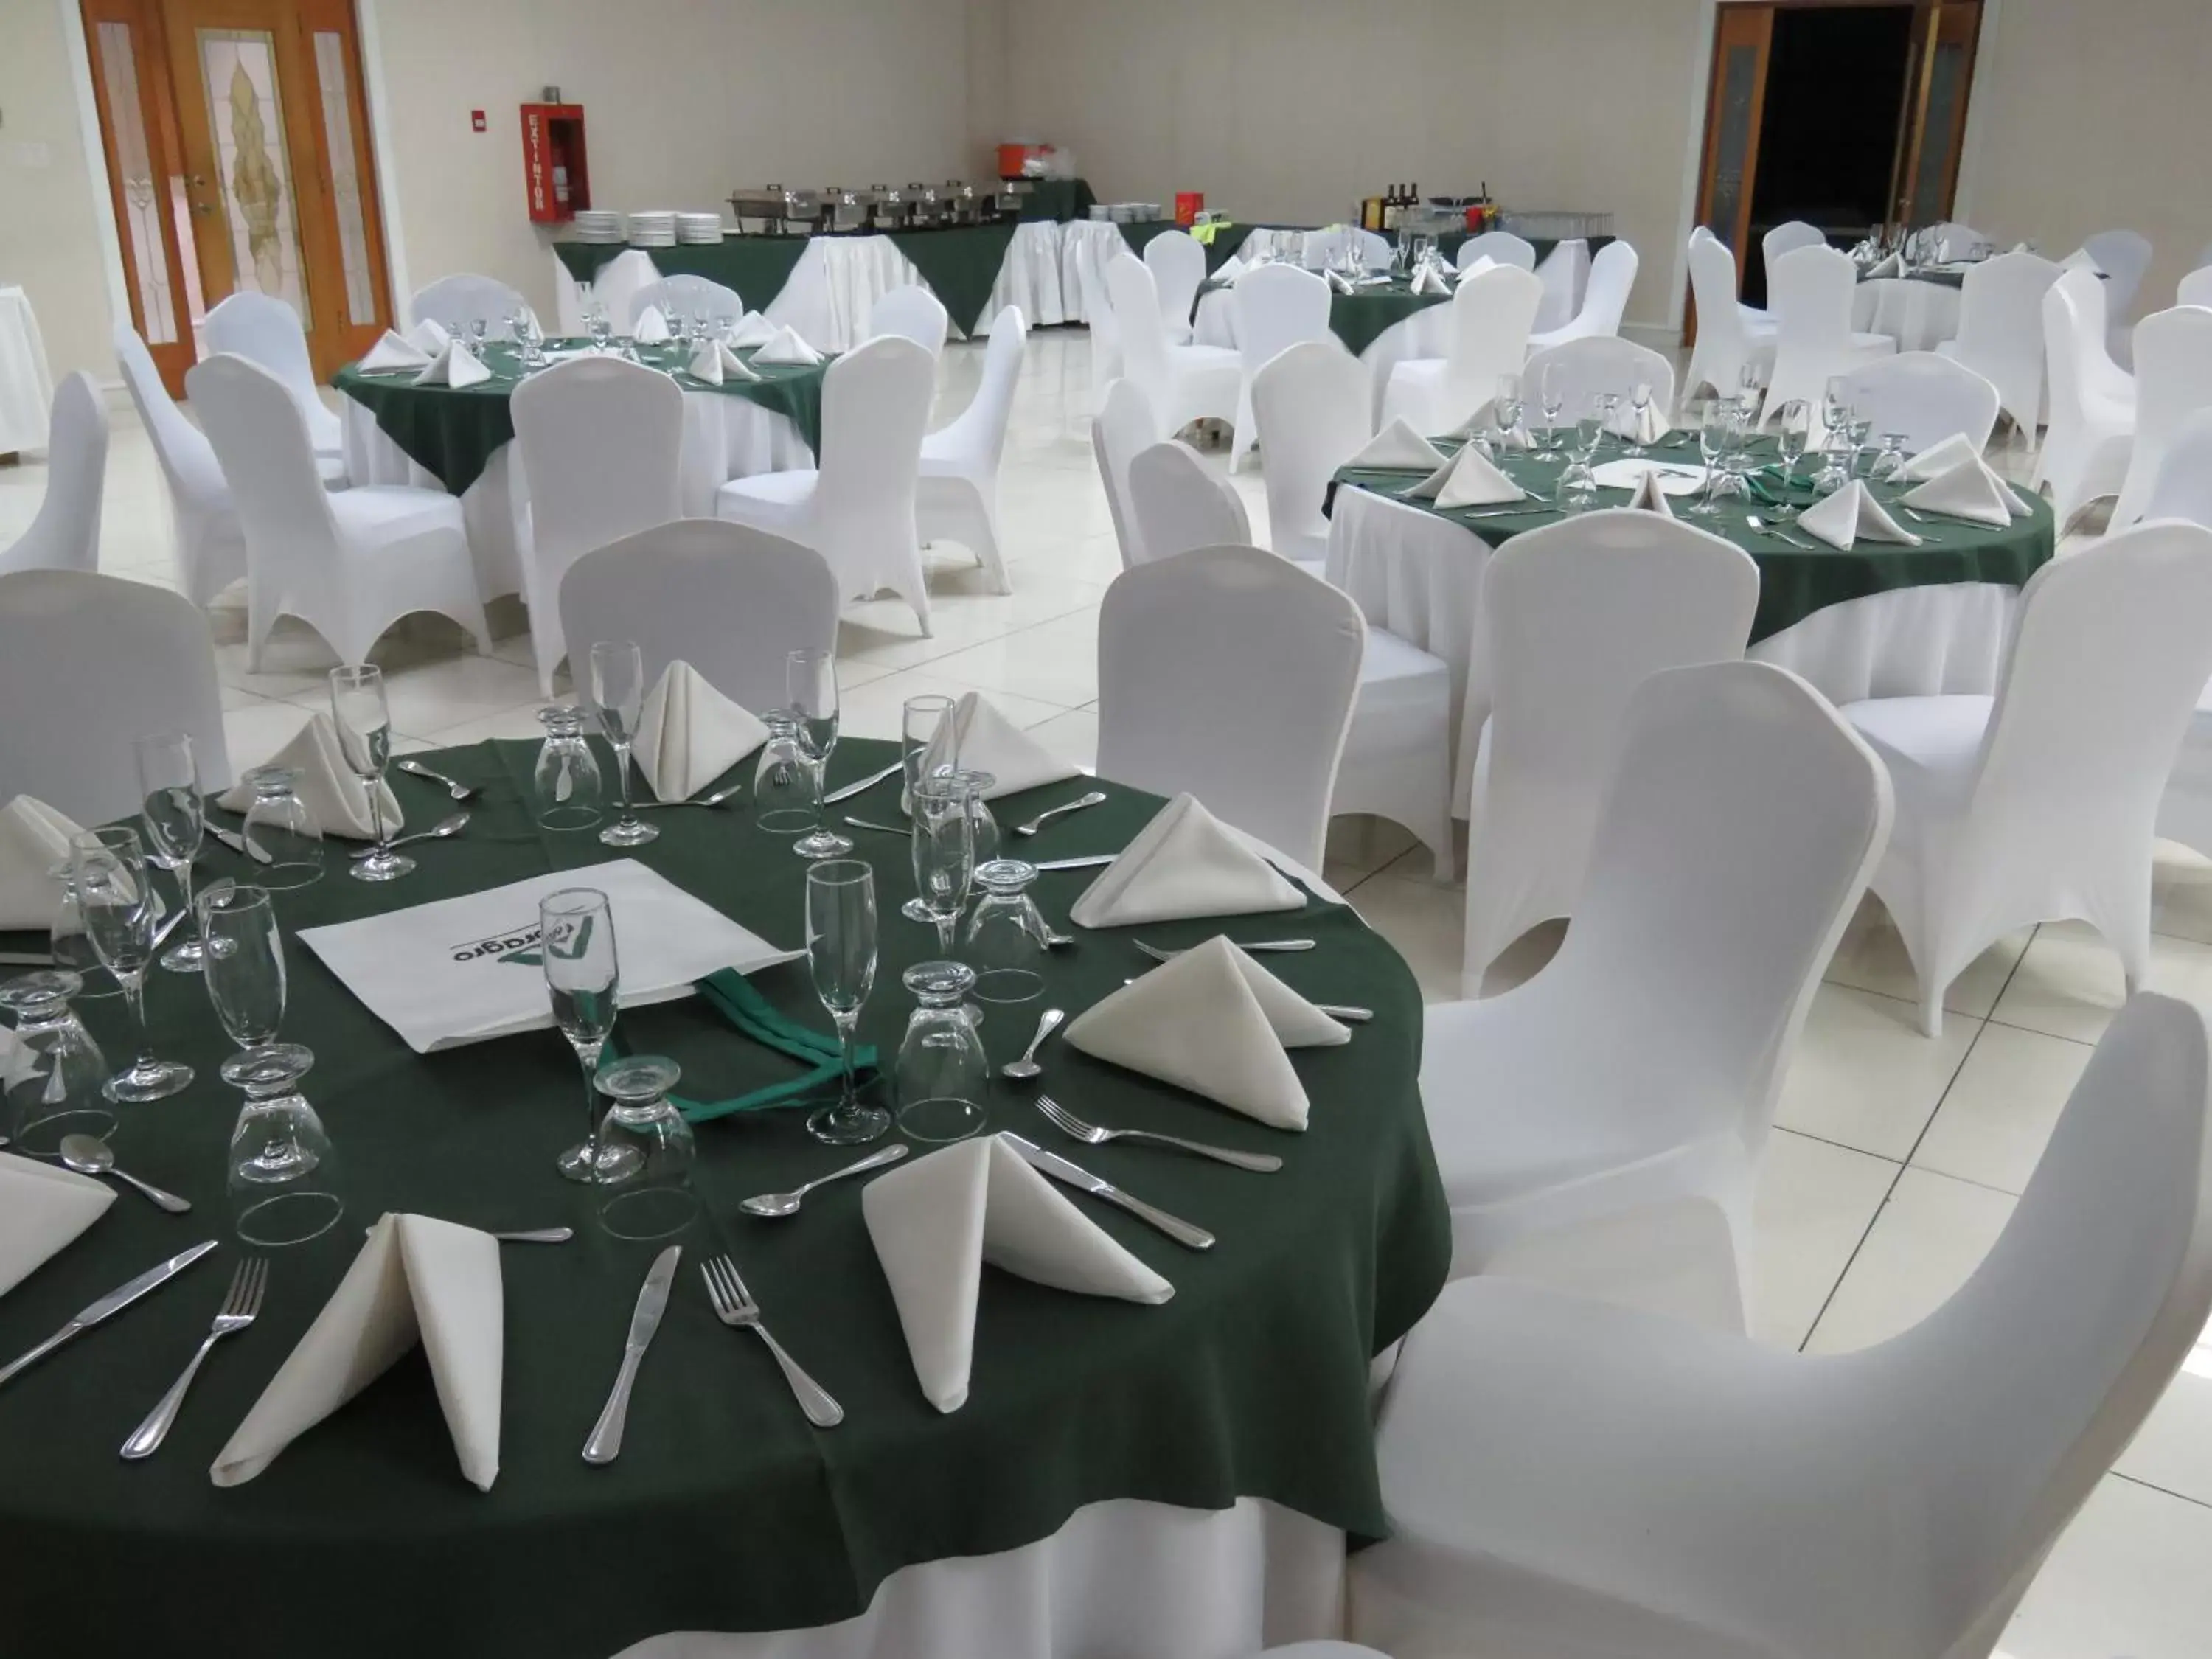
(1026, 1066)
(454, 787)
(1096, 798)
(89, 1157)
(539, 1236)
(1058, 941)
(1764, 528)
(776, 1203)
(442, 830)
(714, 800)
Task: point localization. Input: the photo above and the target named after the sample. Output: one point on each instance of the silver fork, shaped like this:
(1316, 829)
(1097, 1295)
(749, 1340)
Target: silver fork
(735, 1307)
(1090, 1134)
(240, 1304)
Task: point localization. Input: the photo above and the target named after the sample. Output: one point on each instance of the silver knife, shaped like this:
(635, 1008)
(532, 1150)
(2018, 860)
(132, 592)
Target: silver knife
(237, 844)
(114, 1301)
(863, 786)
(1091, 861)
(607, 1432)
(1075, 1176)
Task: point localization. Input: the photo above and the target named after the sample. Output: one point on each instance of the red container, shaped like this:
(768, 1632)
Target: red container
(1190, 203)
(1011, 157)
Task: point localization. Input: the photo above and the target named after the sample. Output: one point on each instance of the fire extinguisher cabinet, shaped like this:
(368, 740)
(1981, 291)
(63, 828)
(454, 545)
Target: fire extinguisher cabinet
(556, 176)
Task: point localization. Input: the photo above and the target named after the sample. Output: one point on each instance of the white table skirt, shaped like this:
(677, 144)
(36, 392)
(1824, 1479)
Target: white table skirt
(724, 437)
(1123, 1579)
(1426, 333)
(26, 385)
(1085, 241)
(1421, 577)
(1918, 316)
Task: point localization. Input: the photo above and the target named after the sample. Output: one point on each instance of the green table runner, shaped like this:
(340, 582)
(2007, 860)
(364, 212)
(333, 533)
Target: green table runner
(1792, 582)
(725, 1510)
(961, 265)
(453, 435)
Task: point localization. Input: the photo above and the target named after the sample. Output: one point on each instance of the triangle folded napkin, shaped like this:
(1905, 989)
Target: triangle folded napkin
(394, 351)
(429, 336)
(752, 330)
(1482, 262)
(1892, 266)
(934, 1223)
(1940, 458)
(325, 784)
(1431, 281)
(34, 839)
(41, 1209)
(1468, 479)
(651, 327)
(975, 736)
(1229, 270)
(1648, 495)
(1850, 513)
(785, 347)
(416, 1279)
(1339, 282)
(689, 733)
(455, 366)
(1647, 428)
(1398, 445)
(1186, 862)
(715, 362)
(1967, 490)
(2082, 259)
(1216, 1023)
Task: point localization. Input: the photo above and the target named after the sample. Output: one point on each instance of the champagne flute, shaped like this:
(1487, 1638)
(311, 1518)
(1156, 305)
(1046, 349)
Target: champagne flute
(840, 952)
(618, 697)
(116, 894)
(944, 850)
(919, 725)
(810, 680)
(1552, 398)
(1507, 408)
(363, 719)
(1712, 444)
(583, 975)
(1796, 428)
(172, 812)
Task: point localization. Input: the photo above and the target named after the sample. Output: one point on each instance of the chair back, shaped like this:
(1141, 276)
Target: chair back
(1582, 368)
(65, 535)
(2001, 330)
(2173, 381)
(730, 600)
(1276, 307)
(1498, 247)
(2195, 288)
(1808, 293)
(2183, 488)
(1178, 266)
(260, 437)
(1124, 425)
(1098, 316)
(455, 301)
(2124, 256)
(683, 294)
(90, 664)
(1182, 504)
(1565, 273)
(1135, 295)
(978, 433)
(262, 329)
(1786, 238)
(1952, 240)
(1724, 343)
(599, 439)
(1604, 298)
(875, 412)
(1926, 396)
(912, 312)
(1310, 405)
(1492, 313)
(1230, 673)
(210, 547)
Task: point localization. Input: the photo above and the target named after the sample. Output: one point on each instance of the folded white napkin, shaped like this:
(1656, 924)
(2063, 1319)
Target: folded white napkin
(1850, 513)
(977, 737)
(1966, 489)
(689, 733)
(1398, 445)
(1648, 495)
(1339, 281)
(651, 327)
(1482, 262)
(1430, 281)
(1215, 1022)
(395, 351)
(752, 330)
(937, 1219)
(1468, 479)
(455, 365)
(2082, 259)
(414, 1279)
(41, 1209)
(327, 786)
(1646, 429)
(786, 348)
(1940, 458)
(1230, 269)
(1892, 266)
(715, 362)
(34, 839)
(429, 336)
(1184, 863)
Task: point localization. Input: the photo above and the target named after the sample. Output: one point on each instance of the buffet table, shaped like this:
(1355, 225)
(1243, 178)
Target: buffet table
(1122, 1478)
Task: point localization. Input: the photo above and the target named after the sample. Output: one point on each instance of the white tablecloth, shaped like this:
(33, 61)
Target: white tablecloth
(1918, 316)
(1426, 333)
(26, 385)
(1421, 577)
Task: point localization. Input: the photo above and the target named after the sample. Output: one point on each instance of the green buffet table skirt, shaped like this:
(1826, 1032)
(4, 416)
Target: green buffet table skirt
(725, 1511)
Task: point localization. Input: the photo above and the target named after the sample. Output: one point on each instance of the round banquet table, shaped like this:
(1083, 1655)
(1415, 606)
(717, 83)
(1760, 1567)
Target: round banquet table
(398, 433)
(1884, 620)
(1176, 1478)
(1919, 312)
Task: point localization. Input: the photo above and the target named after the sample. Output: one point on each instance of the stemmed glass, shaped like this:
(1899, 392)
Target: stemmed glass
(1712, 444)
(1577, 487)
(523, 326)
(1552, 398)
(841, 951)
(1639, 401)
(944, 849)
(282, 1171)
(598, 325)
(810, 680)
(363, 719)
(1795, 431)
(115, 893)
(919, 724)
(583, 975)
(172, 812)
(618, 697)
(1507, 409)
(1835, 408)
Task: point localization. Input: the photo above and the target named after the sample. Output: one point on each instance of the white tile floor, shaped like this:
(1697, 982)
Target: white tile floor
(1895, 1159)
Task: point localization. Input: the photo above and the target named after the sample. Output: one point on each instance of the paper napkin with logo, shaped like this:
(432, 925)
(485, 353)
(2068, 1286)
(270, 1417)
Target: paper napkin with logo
(977, 737)
(1398, 445)
(41, 1209)
(454, 365)
(936, 1220)
(652, 328)
(1216, 1023)
(715, 362)
(415, 1280)
(460, 970)
(785, 347)
(33, 840)
(1850, 513)
(689, 733)
(1648, 495)
(751, 329)
(326, 786)
(1186, 862)
(394, 351)
(1468, 479)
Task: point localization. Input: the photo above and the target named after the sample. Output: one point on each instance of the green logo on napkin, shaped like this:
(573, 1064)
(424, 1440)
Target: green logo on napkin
(525, 947)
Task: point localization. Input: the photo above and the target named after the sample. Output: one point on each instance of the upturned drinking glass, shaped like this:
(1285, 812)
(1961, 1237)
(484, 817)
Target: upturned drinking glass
(115, 893)
(921, 723)
(1006, 938)
(72, 945)
(942, 1073)
(944, 851)
(841, 954)
(617, 691)
(173, 815)
(53, 1076)
(786, 799)
(279, 826)
(809, 679)
(646, 1141)
(364, 719)
(583, 977)
(1889, 466)
(565, 789)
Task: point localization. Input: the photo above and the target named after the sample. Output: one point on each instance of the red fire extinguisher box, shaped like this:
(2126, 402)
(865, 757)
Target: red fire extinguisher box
(556, 177)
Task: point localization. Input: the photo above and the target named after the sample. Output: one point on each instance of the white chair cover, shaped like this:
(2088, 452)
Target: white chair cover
(1952, 240)
(455, 301)
(912, 312)
(1926, 396)
(683, 294)
(1310, 409)
(265, 330)
(957, 495)
(90, 664)
(2124, 256)
(1106, 361)
(1124, 425)
(2195, 288)
(2173, 382)
(1786, 238)
(1182, 504)
(1578, 615)
(1183, 383)
(599, 443)
(2092, 401)
(1582, 368)
(1727, 339)
(2001, 330)
(728, 599)
(1612, 275)
(1275, 308)
(210, 547)
(2184, 490)
(1492, 315)
(1500, 248)
(1230, 673)
(26, 380)
(1178, 266)
(1565, 273)
(1809, 294)
(65, 534)
(1548, 1462)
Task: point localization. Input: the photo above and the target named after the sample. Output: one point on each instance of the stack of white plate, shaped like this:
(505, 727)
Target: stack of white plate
(699, 227)
(655, 229)
(597, 225)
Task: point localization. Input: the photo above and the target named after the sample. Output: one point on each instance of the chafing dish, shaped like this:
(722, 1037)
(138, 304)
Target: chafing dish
(772, 210)
(846, 210)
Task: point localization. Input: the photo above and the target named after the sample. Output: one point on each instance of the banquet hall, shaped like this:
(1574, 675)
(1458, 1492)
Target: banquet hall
(1362, 832)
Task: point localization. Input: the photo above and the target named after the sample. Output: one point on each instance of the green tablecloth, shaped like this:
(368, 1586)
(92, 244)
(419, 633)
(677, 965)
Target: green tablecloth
(725, 1510)
(1792, 582)
(453, 435)
(961, 265)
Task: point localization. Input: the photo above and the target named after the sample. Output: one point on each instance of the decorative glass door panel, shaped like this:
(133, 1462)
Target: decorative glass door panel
(258, 220)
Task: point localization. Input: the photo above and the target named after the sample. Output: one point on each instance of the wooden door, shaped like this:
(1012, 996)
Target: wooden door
(1736, 104)
(1932, 130)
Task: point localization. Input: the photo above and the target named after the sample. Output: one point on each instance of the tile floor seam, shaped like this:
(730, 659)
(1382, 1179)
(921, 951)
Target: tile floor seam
(2163, 1491)
(1840, 1145)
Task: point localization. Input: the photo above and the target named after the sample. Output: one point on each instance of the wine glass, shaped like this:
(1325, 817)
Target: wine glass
(172, 811)
(943, 849)
(1551, 399)
(1795, 432)
(919, 727)
(1639, 401)
(810, 680)
(364, 719)
(617, 696)
(840, 952)
(1507, 408)
(583, 975)
(1712, 443)
(115, 891)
